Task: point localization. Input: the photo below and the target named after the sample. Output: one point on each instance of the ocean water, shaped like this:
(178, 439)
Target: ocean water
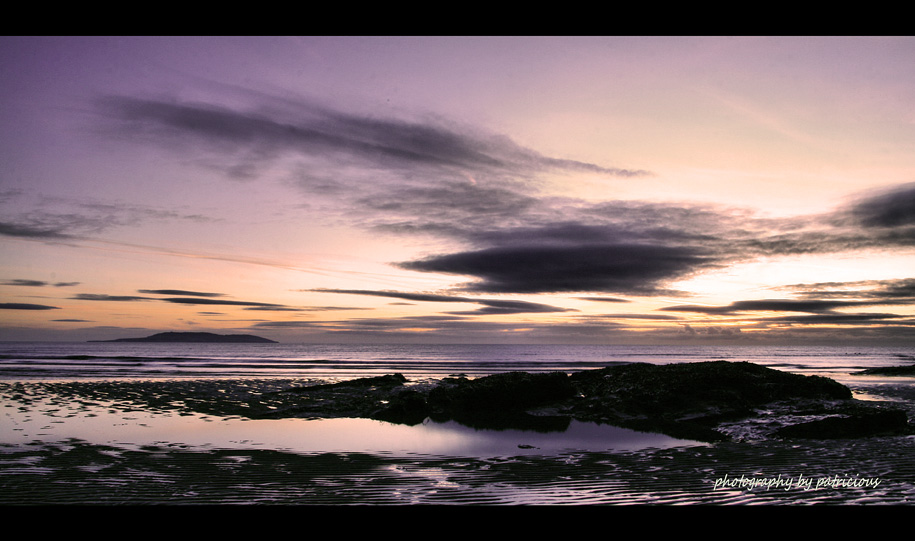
(55, 448)
(71, 360)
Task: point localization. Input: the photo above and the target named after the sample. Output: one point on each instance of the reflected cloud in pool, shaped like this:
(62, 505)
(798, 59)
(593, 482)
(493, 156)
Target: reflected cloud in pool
(105, 426)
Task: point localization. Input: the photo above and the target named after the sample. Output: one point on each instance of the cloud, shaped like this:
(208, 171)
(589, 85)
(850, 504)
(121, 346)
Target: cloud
(899, 291)
(179, 292)
(26, 283)
(31, 231)
(821, 311)
(456, 209)
(491, 306)
(768, 305)
(274, 308)
(659, 317)
(306, 129)
(881, 221)
(641, 248)
(894, 208)
(38, 283)
(482, 192)
(418, 175)
(203, 299)
(60, 218)
(712, 330)
(452, 328)
(622, 268)
(193, 300)
(335, 308)
(24, 306)
(618, 247)
(104, 297)
(844, 319)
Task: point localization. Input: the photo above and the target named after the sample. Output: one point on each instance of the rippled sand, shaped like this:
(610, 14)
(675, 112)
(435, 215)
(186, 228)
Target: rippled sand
(79, 473)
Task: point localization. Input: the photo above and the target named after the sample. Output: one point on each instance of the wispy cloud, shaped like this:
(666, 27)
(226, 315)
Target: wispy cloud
(32, 230)
(310, 130)
(109, 298)
(491, 306)
(179, 292)
(770, 305)
(889, 291)
(222, 302)
(43, 217)
(38, 283)
(25, 306)
(201, 299)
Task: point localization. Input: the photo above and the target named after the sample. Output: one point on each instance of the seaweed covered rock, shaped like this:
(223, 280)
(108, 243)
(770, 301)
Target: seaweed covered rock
(863, 424)
(686, 400)
(508, 391)
(689, 400)
(907, 370)
(683, 387)
(407, 407)
(389, 380)
(359, 397)
(502, 400)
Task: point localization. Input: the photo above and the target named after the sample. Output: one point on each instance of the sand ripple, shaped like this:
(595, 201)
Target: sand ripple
(79, 473)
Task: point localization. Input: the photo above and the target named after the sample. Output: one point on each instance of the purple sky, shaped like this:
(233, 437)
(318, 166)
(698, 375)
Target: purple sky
(664, 190)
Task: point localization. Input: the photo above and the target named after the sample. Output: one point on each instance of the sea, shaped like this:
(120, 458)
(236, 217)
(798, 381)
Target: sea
(58, 449)
(72, 360)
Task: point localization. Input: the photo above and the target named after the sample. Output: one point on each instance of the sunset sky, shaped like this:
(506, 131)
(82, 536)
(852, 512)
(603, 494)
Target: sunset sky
(606, 190)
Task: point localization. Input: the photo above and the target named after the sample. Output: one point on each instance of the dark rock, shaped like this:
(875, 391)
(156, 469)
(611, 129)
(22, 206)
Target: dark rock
(390, 380)
(490, 395)
(682, 400)
(890, 371)
(507, 420)
(688, 400)
(407, 407)
(695, 386)
(859, 425)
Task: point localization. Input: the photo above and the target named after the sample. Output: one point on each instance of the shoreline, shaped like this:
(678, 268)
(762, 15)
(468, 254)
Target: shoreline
(45, 470)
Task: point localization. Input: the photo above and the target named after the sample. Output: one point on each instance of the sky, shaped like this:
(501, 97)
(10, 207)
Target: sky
(409, 189)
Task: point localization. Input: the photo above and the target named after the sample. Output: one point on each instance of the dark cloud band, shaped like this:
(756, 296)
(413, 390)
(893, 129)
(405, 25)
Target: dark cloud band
(620, 268)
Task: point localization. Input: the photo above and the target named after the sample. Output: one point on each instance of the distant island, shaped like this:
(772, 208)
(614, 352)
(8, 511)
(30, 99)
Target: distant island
(197, 337)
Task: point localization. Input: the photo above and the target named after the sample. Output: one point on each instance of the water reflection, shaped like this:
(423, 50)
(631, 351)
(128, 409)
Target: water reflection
(579, 436)
(140, 428)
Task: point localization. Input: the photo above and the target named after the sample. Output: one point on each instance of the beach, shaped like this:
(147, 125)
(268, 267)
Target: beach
(493, 271)
(186, 440)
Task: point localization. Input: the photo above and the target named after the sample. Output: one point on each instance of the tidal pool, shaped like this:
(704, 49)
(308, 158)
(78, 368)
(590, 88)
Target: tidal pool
(51, 421)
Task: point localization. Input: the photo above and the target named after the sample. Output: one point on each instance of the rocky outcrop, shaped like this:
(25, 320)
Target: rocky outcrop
(706, 401)
(687, 400)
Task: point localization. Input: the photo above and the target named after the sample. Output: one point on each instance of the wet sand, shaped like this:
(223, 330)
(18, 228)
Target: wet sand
(41, 464)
